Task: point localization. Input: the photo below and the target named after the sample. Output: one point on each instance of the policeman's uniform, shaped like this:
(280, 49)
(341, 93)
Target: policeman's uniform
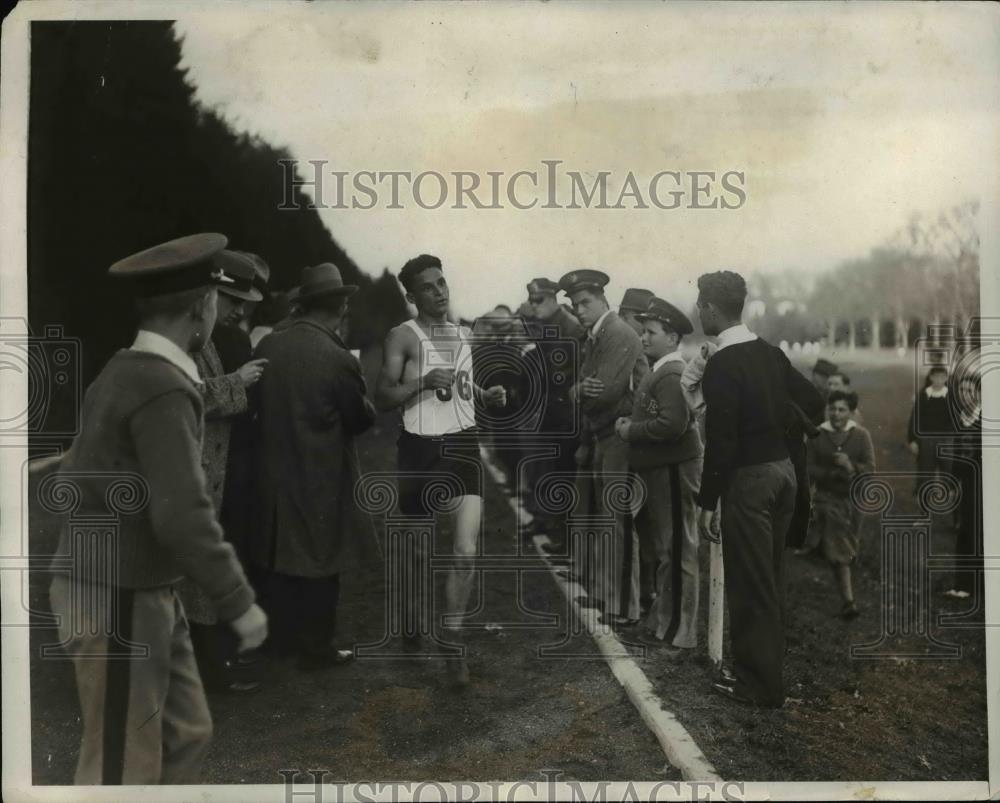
(558, 341)
(138, 454)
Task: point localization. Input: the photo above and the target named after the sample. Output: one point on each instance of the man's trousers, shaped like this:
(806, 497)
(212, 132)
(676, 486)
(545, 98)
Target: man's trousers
(610, 565)
(757, 507)
(145, 719)
(670, 517)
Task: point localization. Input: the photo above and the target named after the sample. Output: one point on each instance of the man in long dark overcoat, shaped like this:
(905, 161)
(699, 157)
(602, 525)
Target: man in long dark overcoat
(312, 406)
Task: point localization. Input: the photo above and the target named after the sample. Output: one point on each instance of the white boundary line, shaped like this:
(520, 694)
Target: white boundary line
(680, 749)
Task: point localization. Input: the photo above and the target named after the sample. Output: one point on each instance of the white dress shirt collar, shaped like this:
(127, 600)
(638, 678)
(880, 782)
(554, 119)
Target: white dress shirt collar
(673, 356)
(157, 344)
(735, 334)
(932, 393)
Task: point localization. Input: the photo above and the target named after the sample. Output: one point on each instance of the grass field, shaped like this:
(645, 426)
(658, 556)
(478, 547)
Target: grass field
(895, 718)
(888, 719)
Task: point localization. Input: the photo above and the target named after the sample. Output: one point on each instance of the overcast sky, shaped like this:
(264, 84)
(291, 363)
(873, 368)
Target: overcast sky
(844, 118)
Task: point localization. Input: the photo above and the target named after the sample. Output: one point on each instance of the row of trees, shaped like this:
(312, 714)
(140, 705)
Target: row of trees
(121, 156)
(926, 275)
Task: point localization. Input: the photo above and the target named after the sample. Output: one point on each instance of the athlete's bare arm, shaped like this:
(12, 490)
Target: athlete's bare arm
(495, 396)
(391, 391)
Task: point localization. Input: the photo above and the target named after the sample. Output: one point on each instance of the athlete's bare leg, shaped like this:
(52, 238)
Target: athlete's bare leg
(468, 518)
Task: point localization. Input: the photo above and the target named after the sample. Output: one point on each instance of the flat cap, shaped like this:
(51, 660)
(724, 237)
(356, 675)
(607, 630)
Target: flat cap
(635, 300)
(538, 287)
(238, 266)
(825, 367)
(666, 313)
(583, 280)
(182, 264)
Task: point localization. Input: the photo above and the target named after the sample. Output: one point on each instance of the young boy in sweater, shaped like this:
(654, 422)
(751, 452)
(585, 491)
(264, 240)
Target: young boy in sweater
(840, 452)
(664, 449)
(138, 455)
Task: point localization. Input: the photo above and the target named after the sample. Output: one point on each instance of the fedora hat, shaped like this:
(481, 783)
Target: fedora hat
(323, 280)
(635, 300)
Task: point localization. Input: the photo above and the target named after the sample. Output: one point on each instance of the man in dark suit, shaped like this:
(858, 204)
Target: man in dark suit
(612, 367)
(749, 387)
(557, 335)
(312, 407)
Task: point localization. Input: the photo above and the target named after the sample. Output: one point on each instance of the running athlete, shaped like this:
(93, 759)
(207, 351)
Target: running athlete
(427, 372)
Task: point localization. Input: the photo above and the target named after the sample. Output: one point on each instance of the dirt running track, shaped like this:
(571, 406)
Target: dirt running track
(397, 720)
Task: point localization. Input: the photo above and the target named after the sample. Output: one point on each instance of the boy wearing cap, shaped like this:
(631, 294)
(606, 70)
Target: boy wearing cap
(145, 717)
(312, 408)
(427, 373)
(665, 450)
(225, 398)
(612, 366)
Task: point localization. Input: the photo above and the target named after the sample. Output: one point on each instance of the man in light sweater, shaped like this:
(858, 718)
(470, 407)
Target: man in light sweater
(665, 451)
(145, 718)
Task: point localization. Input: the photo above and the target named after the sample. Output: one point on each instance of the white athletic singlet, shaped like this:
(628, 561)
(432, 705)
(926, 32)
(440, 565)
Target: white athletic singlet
(444, 411)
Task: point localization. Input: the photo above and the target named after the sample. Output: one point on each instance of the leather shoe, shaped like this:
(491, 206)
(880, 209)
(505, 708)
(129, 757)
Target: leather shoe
(617, 623)
(730, 693)
(663, 648)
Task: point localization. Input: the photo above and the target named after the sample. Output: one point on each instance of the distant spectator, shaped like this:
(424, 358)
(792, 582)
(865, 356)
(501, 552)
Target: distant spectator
(930, 426)
(840, 452)
(821, 373)
(968, 468)
(842, 382)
